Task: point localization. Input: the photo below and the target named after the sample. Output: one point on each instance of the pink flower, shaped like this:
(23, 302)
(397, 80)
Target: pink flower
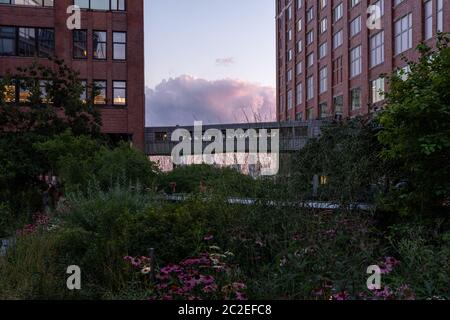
(241, 296)
(239, 286)
(208, 238)
(341, 296)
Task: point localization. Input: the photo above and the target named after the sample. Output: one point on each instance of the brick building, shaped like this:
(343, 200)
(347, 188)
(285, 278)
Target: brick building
(330, 58)
(108, 50)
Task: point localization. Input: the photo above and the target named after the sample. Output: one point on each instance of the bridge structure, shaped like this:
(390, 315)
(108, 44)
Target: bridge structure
(292, 135)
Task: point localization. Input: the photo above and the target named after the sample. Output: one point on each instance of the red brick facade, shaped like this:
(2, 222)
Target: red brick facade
(293, 103)
(124, 120)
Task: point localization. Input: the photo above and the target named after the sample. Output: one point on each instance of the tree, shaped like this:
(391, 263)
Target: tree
(49, 104)
(416, 130)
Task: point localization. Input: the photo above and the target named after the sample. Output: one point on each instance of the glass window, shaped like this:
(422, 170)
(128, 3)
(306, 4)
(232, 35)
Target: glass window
(99, 5)
(338, 12)
(403, 34)
(9, 91)
(27, 42)
(118, 5)
(7, 41)
(46, 42)
(119, 93)
(428, 24)
(299, 94)
(310, 88)
(323, 110)
(323, 80)
(355, 96)
(100, 45)
(323, 50)
(377, 90)
(310, 37)
(119, 45)
(355, 26)
(100, 89)
(355, 61)
(24, 92)
(377, 49)
(338, 103)
(323, 25)
(84, 93)
(337, 70)
(310, 60)
(338, 39)
(80, 44)
(354, 2)
(440, 15)
(290, 104)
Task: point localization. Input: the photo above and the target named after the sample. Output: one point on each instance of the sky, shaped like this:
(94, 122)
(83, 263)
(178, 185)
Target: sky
(209, 60)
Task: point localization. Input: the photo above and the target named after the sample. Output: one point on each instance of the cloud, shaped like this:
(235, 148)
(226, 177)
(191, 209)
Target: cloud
(225, 62)
(183, 100)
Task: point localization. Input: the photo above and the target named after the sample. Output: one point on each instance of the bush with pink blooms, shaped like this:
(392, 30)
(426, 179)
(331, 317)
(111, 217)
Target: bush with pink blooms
(208, 276)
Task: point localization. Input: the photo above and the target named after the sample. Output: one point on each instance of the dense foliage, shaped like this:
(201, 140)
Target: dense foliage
(416, 130)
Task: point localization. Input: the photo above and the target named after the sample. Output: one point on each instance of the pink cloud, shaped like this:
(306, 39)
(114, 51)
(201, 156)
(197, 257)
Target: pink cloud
(183, 100)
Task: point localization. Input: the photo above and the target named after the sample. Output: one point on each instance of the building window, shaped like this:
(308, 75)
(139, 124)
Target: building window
(104, 5)
(338, 39)
(100, 45)
(338, 12)
(310, 114)
(120, 93)
(299, 46)
(7, 41)
(299, 4)
(354, 2)
(119, 45)
(84, 93)
(355, 96)
(46, 42)
(355, 61)
(33, 3)
(338, 105)
(310, 60)
(323, 83)
(290, 104)
(323, 25)
(289, 35)
(323, 50)
(377, 49)
(299, 25)
(337, 70)
(428, 23)
(323, 3)
(323, 110)
(289, 15)
(9, 91)
(299, 68)
(299, 94)
(397, 2)
(299, 116)
(310, 88)
(355, 26)
(440, 15)
(403, 34)
(289, 75)
(100, 90)
(80, 44)
(24, 92)
(27, 42)
(377, 90)
(310, 37)
(290, 55)
(310, 14)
